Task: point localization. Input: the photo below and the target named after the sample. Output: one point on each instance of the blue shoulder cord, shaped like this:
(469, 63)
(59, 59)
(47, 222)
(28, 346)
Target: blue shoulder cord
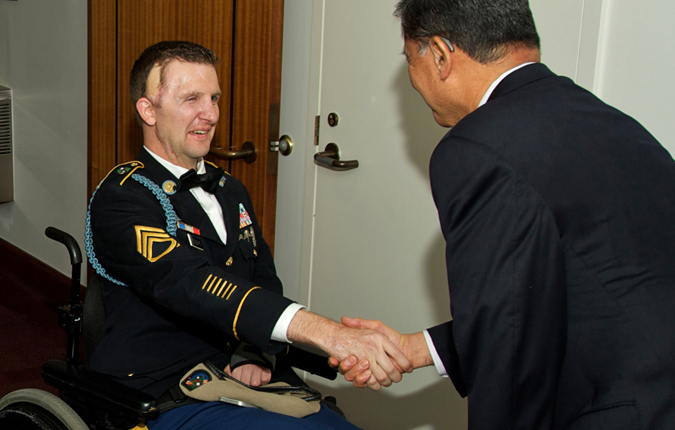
(171, 224)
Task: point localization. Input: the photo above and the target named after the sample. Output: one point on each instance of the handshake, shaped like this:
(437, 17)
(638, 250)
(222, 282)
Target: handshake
(368, 353)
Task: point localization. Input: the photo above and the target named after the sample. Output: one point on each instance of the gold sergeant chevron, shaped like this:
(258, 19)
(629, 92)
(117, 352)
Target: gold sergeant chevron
(154, 243)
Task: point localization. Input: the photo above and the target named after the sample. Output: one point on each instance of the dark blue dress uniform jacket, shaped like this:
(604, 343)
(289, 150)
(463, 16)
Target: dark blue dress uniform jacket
(559, 216)
(187, 298)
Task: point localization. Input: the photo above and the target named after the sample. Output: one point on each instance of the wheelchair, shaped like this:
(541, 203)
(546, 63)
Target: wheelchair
(92, 401)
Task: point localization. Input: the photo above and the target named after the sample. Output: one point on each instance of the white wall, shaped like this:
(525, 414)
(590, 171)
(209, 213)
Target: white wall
(625, 54)
(43, 58)
(559, 27)
(635, 64)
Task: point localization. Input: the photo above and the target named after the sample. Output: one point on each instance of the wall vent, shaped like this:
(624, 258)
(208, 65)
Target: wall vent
(6, 149)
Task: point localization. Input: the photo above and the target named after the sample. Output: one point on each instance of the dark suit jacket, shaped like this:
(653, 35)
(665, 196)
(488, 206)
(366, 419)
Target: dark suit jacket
(558, 214)
(188, 297)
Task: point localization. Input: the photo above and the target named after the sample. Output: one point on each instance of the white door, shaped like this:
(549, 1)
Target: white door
(366, 242)
(377, 249)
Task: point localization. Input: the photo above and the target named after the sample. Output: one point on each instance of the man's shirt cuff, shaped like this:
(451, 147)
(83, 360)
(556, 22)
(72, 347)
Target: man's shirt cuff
(281, 327)
(440, 368)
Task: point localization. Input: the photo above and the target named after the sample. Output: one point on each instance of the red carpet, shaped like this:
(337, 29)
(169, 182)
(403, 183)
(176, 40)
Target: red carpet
(29, 334)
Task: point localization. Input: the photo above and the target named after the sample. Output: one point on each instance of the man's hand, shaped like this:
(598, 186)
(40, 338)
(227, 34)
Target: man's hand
(385, 361)
(414, 347)
(250, 374)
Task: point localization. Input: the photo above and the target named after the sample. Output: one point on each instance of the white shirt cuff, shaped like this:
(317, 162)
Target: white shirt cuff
(281, 327)
(440, 368)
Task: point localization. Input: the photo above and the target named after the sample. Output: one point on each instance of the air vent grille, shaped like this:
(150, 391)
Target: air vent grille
(5, 127)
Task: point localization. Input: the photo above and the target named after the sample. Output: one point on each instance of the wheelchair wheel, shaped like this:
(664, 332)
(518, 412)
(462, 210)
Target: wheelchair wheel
(32, 409)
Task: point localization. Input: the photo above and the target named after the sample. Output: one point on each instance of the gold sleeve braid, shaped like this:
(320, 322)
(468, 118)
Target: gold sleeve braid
(236, 317)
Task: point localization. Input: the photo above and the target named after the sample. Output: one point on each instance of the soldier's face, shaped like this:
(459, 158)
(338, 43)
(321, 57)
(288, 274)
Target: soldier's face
(186, 110)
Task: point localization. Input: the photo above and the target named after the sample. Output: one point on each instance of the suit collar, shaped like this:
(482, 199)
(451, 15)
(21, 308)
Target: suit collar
(520, 78)
(497, 81)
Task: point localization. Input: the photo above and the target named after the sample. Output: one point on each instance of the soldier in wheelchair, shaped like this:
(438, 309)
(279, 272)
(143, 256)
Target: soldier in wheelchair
(90, 400)
(192, 327)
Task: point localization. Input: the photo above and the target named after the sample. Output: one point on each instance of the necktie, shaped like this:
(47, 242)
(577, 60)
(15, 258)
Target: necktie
(208, 181)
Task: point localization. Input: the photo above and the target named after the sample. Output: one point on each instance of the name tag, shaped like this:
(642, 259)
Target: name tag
(195, 241)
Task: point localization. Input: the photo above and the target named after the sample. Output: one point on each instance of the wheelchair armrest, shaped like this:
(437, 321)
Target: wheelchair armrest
(309, 361)
(98, 389)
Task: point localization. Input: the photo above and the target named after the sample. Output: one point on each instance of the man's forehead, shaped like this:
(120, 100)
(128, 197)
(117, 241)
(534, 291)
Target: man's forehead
(175, 74)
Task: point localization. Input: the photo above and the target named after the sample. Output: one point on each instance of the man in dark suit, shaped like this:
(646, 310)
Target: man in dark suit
(187, 275)
(557, 212)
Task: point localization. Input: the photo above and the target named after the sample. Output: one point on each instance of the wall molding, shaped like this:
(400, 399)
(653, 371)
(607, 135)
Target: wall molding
(589, 44)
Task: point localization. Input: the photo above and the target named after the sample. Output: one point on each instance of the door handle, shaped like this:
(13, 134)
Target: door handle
(330, 159)
(248, 153)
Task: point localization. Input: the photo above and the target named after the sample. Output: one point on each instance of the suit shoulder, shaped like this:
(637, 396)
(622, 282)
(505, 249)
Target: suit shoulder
(456, 148)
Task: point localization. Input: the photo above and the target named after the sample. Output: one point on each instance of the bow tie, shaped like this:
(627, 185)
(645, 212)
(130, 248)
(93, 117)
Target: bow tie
(208, 181)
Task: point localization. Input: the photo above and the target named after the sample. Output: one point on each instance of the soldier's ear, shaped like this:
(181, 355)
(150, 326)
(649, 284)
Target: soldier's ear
(146, 110)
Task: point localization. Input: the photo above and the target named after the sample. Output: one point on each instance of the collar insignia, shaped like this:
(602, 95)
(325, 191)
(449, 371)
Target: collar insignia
(169, 187)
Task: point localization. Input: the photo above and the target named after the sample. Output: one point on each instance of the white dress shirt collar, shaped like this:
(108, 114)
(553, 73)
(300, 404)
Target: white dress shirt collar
(492, 87)
(177, 171)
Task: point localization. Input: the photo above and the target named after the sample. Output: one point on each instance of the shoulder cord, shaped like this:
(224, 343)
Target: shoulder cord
(171, 224)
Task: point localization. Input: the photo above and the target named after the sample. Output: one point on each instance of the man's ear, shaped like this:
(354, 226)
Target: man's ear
(146, 110)
(442, 59)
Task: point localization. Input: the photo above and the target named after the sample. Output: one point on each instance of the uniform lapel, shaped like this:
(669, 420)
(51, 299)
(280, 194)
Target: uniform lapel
(230, 214)
(190, 211)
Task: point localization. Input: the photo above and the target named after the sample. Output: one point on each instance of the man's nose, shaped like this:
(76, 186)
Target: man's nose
(210, 111)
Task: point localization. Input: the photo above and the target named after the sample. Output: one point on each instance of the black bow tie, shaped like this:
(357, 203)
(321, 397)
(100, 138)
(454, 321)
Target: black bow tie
(208, 181)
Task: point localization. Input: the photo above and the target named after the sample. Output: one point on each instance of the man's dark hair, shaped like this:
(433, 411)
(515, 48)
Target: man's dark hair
(484, 29)
(161, 54)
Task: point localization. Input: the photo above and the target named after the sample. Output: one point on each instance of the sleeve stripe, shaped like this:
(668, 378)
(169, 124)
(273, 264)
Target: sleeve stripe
(217, 290)
(211, 289)
(235, 287)
(219, 287)
(207, 281)
(236, 317)
(227, 289)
